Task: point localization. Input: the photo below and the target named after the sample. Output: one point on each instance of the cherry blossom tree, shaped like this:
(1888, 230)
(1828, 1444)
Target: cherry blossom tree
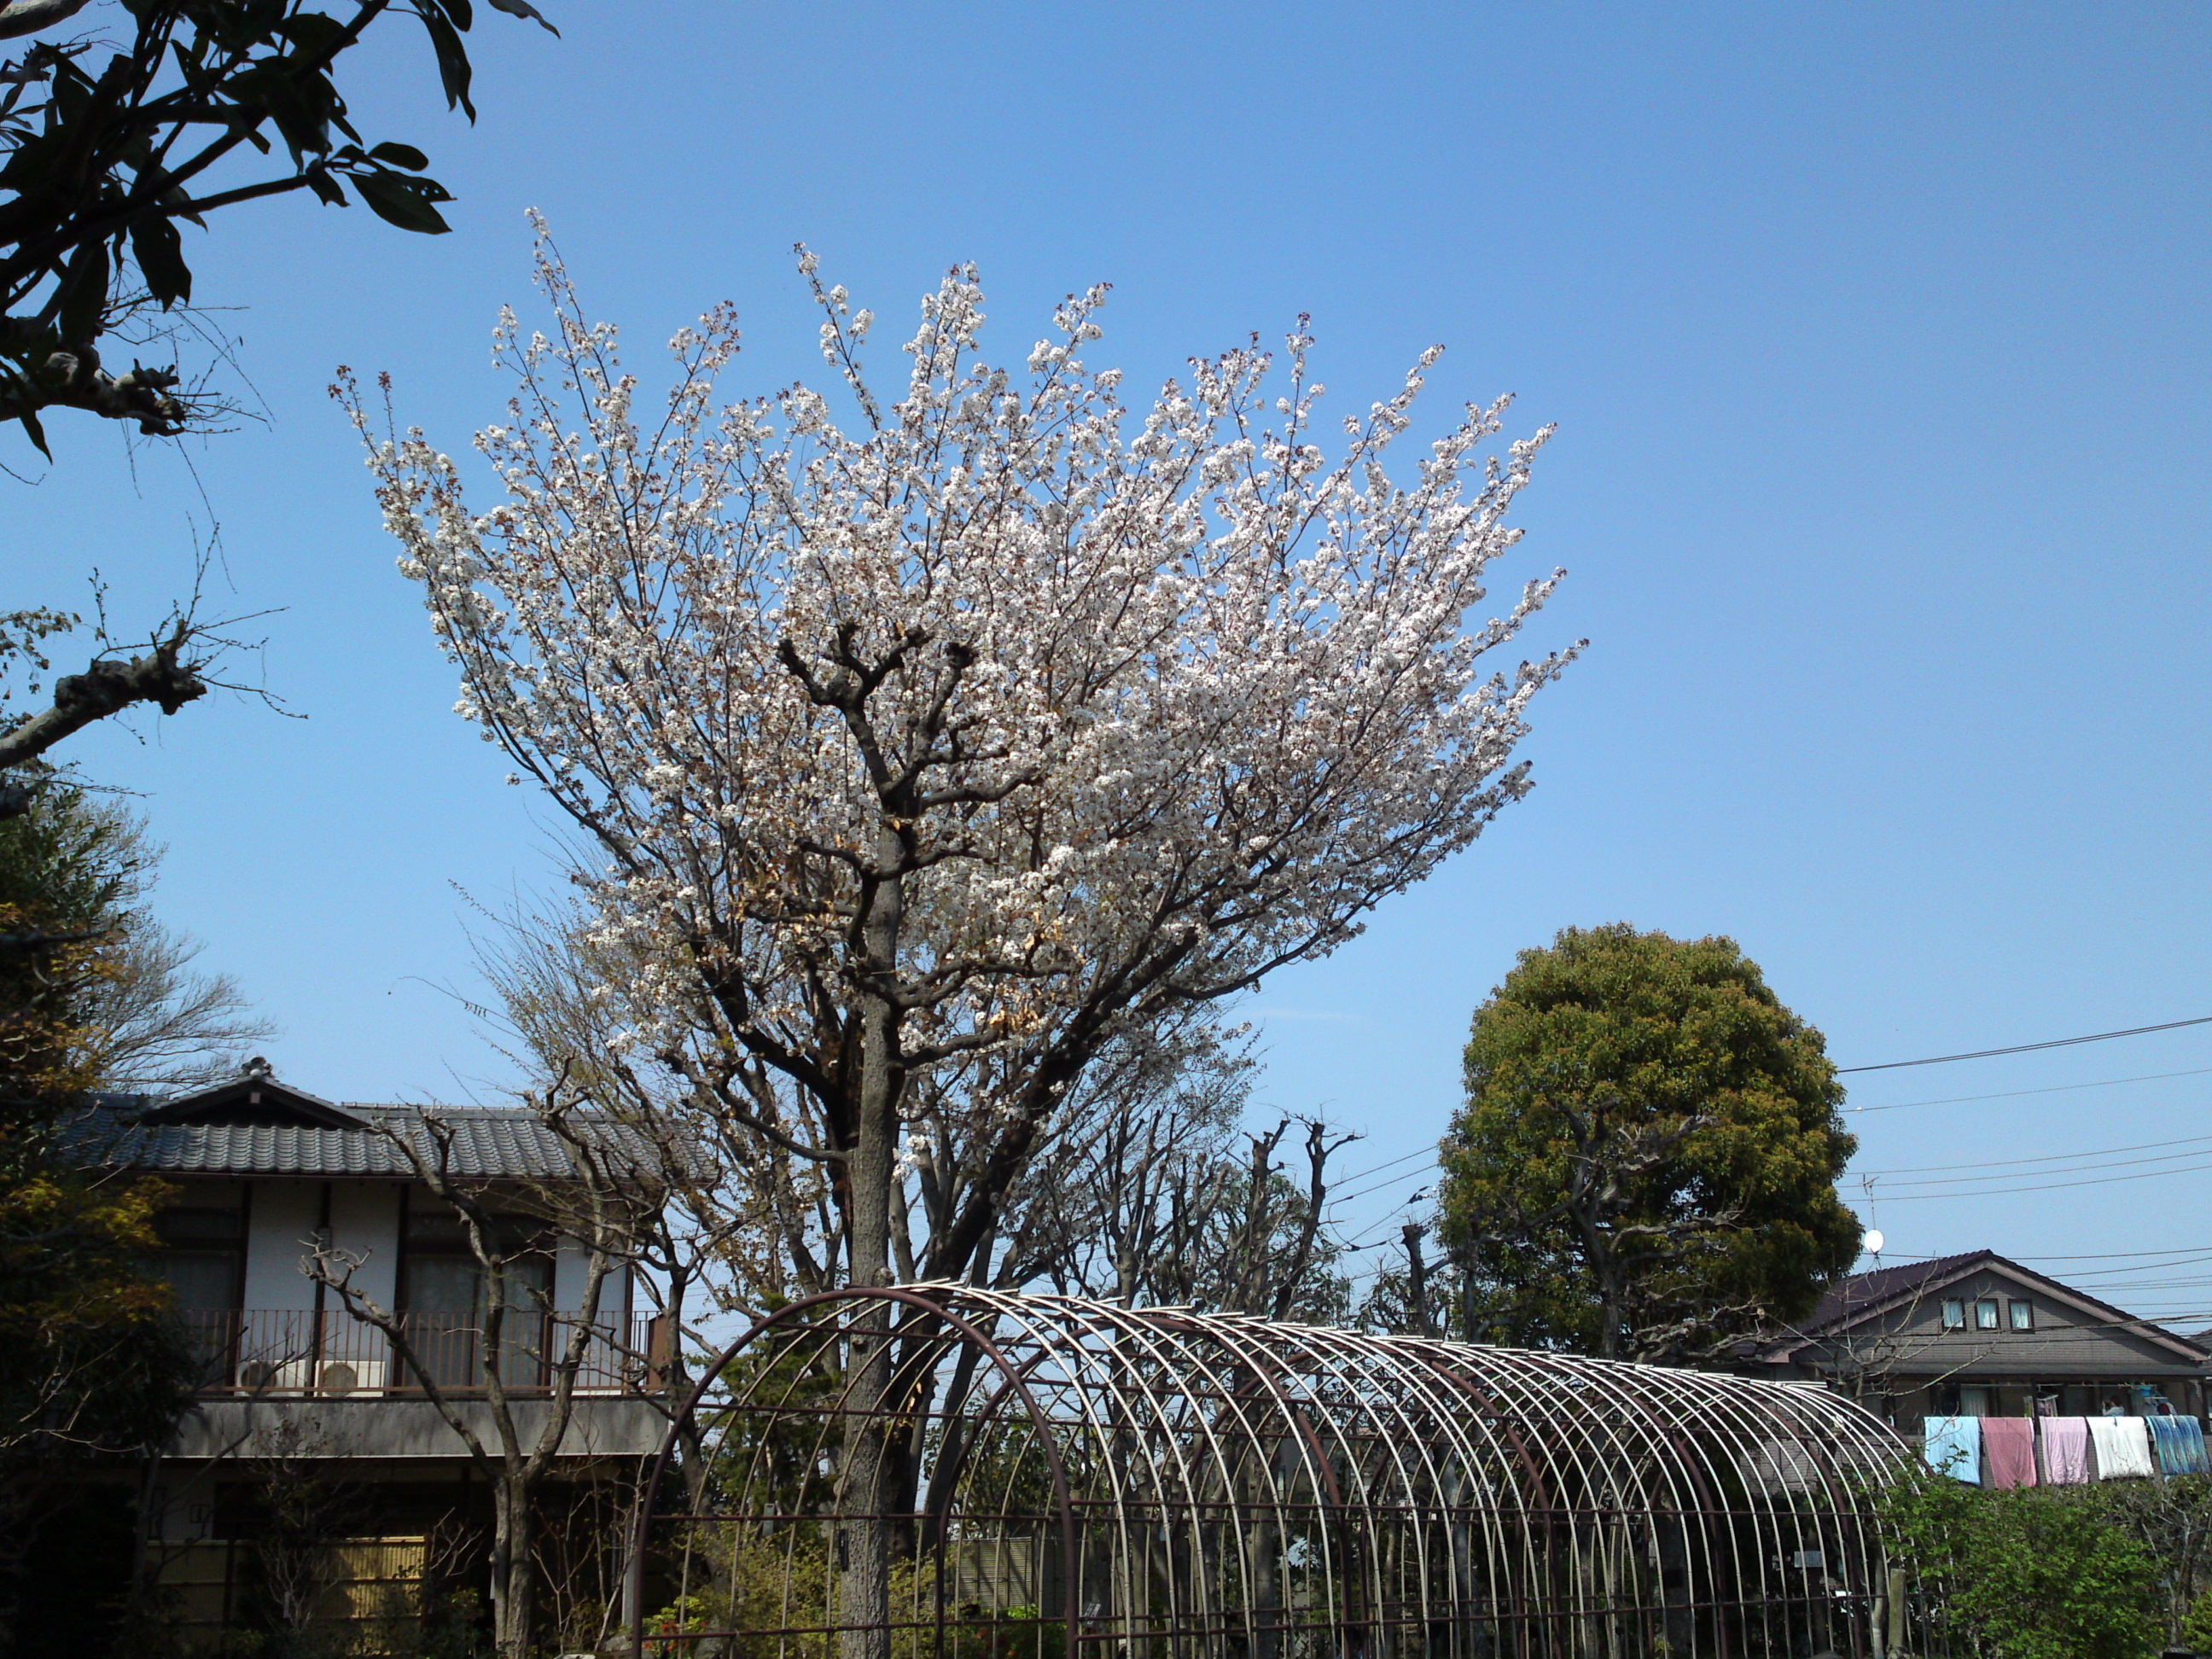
(930, 752)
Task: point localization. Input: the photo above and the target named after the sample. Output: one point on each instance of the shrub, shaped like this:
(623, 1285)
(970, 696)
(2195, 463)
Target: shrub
(2028, 1574)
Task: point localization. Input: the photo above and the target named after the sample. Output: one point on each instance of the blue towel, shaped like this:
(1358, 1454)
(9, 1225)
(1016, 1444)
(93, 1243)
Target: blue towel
(2196, 1458)
(2179, 1442)
(1955, 1447)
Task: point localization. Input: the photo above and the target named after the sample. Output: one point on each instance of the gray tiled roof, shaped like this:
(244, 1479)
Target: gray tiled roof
(488, 1143)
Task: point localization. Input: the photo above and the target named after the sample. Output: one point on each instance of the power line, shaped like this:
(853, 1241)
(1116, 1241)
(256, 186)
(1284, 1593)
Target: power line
(1388, 1216)
(2085, 1274)
(2057, 1158)
(2102, 1256)
(1962, 1185)
(2149, 1287)
(1362, 1174)
(1429, 1153)
(2031, 1048)
(2054, 1157)
(1410, 1175)
(2054, 1088)
(2046, 1187)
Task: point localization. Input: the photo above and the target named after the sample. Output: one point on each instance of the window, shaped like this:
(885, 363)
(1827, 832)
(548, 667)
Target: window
(1955, 1315)
(2023, 1316)
(1986, 1316)
(203, 1239)
(446, 1294)
(202, 1259)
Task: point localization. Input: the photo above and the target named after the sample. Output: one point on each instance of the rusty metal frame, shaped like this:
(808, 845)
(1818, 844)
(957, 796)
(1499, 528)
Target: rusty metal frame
(1227, 1488)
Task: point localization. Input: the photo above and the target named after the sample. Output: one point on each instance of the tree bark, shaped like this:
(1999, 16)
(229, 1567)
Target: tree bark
(512, 1578)
(863, 1552)
(106, 688)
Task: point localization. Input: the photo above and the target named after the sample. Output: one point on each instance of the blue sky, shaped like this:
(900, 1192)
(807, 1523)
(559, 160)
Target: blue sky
(1876, 340)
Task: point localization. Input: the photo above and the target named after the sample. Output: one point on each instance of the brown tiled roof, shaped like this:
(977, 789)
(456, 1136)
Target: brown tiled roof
(1862, 1291)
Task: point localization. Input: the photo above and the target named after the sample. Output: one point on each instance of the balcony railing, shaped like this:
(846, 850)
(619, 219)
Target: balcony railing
(288, 1351)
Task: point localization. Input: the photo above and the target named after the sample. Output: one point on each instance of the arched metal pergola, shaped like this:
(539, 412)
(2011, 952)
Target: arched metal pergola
(1065, 1478)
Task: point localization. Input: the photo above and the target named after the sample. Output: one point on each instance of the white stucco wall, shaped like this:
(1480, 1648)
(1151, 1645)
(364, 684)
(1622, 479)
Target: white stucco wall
(284, 1213)
(365, 1223)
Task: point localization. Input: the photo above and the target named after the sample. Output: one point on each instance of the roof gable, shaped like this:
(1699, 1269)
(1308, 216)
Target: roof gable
(1865, 1297)
(255, 1100)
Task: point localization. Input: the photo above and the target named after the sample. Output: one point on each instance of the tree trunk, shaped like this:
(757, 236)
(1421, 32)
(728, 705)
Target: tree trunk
(511, 1569)
(864, 1531)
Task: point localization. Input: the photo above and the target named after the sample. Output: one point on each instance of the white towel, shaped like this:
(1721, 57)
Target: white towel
(2123, 1447)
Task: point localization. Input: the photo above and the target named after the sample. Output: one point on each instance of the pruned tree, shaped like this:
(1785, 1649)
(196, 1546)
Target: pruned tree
(171, 670)
(606, 1207)
(1172, 1201)
(925, 763)
(1645, 1167)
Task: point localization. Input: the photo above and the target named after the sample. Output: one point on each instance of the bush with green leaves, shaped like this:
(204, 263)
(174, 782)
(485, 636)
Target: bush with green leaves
(2032, 1573)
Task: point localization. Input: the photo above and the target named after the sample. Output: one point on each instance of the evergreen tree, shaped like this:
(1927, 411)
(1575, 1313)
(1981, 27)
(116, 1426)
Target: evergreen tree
(1646, 1166)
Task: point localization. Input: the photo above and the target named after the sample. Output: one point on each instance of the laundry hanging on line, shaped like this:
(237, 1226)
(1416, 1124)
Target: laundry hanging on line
(1953, 1447)
(2179, 1443)
(2121, 1446)
(2063, 1442)
(2008, 1452)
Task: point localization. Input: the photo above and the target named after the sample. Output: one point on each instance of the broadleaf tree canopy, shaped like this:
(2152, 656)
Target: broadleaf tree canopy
(107, 141)
(1646, 1166)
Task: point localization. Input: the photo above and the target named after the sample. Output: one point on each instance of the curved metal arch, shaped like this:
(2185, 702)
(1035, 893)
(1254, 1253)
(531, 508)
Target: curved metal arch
(1234, 1488)
(685, 1423)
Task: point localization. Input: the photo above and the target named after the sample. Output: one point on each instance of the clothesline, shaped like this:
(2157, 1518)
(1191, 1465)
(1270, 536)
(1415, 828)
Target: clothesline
(2001, 1452)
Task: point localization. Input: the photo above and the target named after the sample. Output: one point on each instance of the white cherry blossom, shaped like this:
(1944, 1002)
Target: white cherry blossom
(933, 750)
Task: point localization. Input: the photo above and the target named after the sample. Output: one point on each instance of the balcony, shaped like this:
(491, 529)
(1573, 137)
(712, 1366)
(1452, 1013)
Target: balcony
(265, 1353)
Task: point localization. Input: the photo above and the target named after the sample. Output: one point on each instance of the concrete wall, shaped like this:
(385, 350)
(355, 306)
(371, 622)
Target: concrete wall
(601, 1426)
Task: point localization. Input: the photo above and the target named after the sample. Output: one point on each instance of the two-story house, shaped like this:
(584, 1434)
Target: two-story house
(268, 1178)
(1979, 1335)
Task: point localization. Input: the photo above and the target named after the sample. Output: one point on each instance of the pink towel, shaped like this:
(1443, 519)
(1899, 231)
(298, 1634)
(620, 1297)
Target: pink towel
(2008, 1451)
(2065, 1451)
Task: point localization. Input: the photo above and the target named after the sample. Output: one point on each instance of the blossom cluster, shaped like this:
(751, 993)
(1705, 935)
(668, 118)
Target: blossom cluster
(1030, 716)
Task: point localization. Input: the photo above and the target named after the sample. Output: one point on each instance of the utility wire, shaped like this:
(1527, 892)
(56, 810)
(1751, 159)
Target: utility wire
(2031, 1048)
(1388, 1217)
(1409, 1175)
(1964, 1185)
(2085, 1274)
(1429, 1153)
(2106, 1255)
(2046, 1187)
(2054, 1088)
(1362, 1174)
(2055, 1157)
